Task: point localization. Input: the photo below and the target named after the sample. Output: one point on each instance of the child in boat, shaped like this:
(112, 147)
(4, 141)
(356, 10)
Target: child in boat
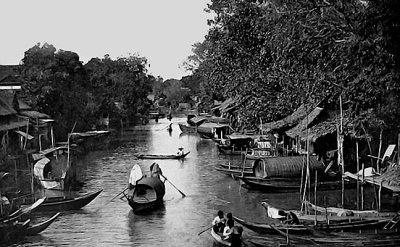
(228, 229)
(219, 222)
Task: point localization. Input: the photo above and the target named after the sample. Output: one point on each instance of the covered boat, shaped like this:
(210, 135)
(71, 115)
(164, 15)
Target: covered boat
(284, 166)
(145, 193)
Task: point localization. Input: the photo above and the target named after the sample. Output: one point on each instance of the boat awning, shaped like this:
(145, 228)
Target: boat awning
(38, 169)
(26, 135)
(34, 114)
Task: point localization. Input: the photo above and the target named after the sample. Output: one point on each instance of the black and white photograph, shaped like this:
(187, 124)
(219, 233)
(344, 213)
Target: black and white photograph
(199, 123)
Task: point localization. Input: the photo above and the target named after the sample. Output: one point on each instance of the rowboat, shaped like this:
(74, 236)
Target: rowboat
(147, 194)
(162, 156)
(278, 185)
(218, 238)
(68, 203)
(37, 228)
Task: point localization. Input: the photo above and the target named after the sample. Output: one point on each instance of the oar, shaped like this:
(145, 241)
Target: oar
(113, 198)
(208, 228)
(183, 195)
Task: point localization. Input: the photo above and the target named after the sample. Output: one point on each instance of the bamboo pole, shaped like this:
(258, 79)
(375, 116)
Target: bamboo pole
(358, 181)
(379, 151)
(380, 196)
(362, 188)
(315, 195)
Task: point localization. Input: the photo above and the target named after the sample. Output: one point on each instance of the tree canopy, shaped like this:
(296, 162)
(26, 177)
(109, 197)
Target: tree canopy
(275, 55)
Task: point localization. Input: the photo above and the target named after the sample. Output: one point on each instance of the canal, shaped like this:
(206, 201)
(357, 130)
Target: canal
(111, 223)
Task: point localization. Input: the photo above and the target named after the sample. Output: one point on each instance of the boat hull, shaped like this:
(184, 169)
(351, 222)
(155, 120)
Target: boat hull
(218, 239)
(38, 228)
(68, 203)
(160, 156)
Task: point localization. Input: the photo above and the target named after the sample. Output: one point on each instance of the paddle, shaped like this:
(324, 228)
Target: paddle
(208, 228)
(183, 195)
(113, 198)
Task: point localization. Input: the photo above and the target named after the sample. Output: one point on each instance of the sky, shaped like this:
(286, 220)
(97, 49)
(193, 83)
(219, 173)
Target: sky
(163, 31)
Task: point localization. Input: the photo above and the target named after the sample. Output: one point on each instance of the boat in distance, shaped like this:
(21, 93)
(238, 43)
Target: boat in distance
(162, 156)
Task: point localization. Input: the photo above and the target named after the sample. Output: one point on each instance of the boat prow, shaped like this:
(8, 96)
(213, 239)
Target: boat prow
(65, 204)
(37, 228)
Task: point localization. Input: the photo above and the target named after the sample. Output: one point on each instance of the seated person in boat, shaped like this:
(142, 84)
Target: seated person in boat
(180, 152)
(135, 175)
(155, 170)
(5, 207)
(236, 236)
(228, 229)
(219, 222)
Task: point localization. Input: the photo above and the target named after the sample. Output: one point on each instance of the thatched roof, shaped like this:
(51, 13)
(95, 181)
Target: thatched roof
(309, 120)
(321, 124)
(289, 121)
(392, 175)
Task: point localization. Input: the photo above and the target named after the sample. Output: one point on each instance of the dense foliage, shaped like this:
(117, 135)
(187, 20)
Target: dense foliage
(274, 55)
(58, 84)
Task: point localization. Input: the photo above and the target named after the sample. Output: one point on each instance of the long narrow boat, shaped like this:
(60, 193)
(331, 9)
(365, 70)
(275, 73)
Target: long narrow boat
(278, 185)
(39, 227)
(161, 156)
(65, 204)
(187, 128)
(301, 229)
(339, 215)
(147, 194)
(218, 239)
(23, 212)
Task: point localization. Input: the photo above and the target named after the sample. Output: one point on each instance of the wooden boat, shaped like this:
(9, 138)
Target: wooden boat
(68, 203)
(218, 238)
(234, 171)
(228, 150)
(341, 215)
(264, 228)
(12, 231)
(23, 212)
(187, 128)
(278, 185)
(302, 229)
(37, 228)
(162, 156)
(147, 194)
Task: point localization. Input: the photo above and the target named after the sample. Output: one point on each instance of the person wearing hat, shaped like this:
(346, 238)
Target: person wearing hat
(180, 152)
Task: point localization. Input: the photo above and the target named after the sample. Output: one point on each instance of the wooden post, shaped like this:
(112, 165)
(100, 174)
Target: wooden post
(362, 188)
(380, 196)
(358, 181)
(315, 195)
(379, 152)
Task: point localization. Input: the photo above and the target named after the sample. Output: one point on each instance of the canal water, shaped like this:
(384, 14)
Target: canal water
(111, 223)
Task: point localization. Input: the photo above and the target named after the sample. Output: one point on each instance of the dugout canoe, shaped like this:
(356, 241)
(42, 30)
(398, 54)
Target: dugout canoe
(146, 195)
(161, 156)
(39, 227)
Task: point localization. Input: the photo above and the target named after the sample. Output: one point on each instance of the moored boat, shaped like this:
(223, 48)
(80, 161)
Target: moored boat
(39, 227)
(68, 203)
(234, 171)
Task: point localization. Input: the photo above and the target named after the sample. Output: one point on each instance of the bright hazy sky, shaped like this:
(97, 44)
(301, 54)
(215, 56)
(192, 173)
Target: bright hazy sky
(163, 31)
